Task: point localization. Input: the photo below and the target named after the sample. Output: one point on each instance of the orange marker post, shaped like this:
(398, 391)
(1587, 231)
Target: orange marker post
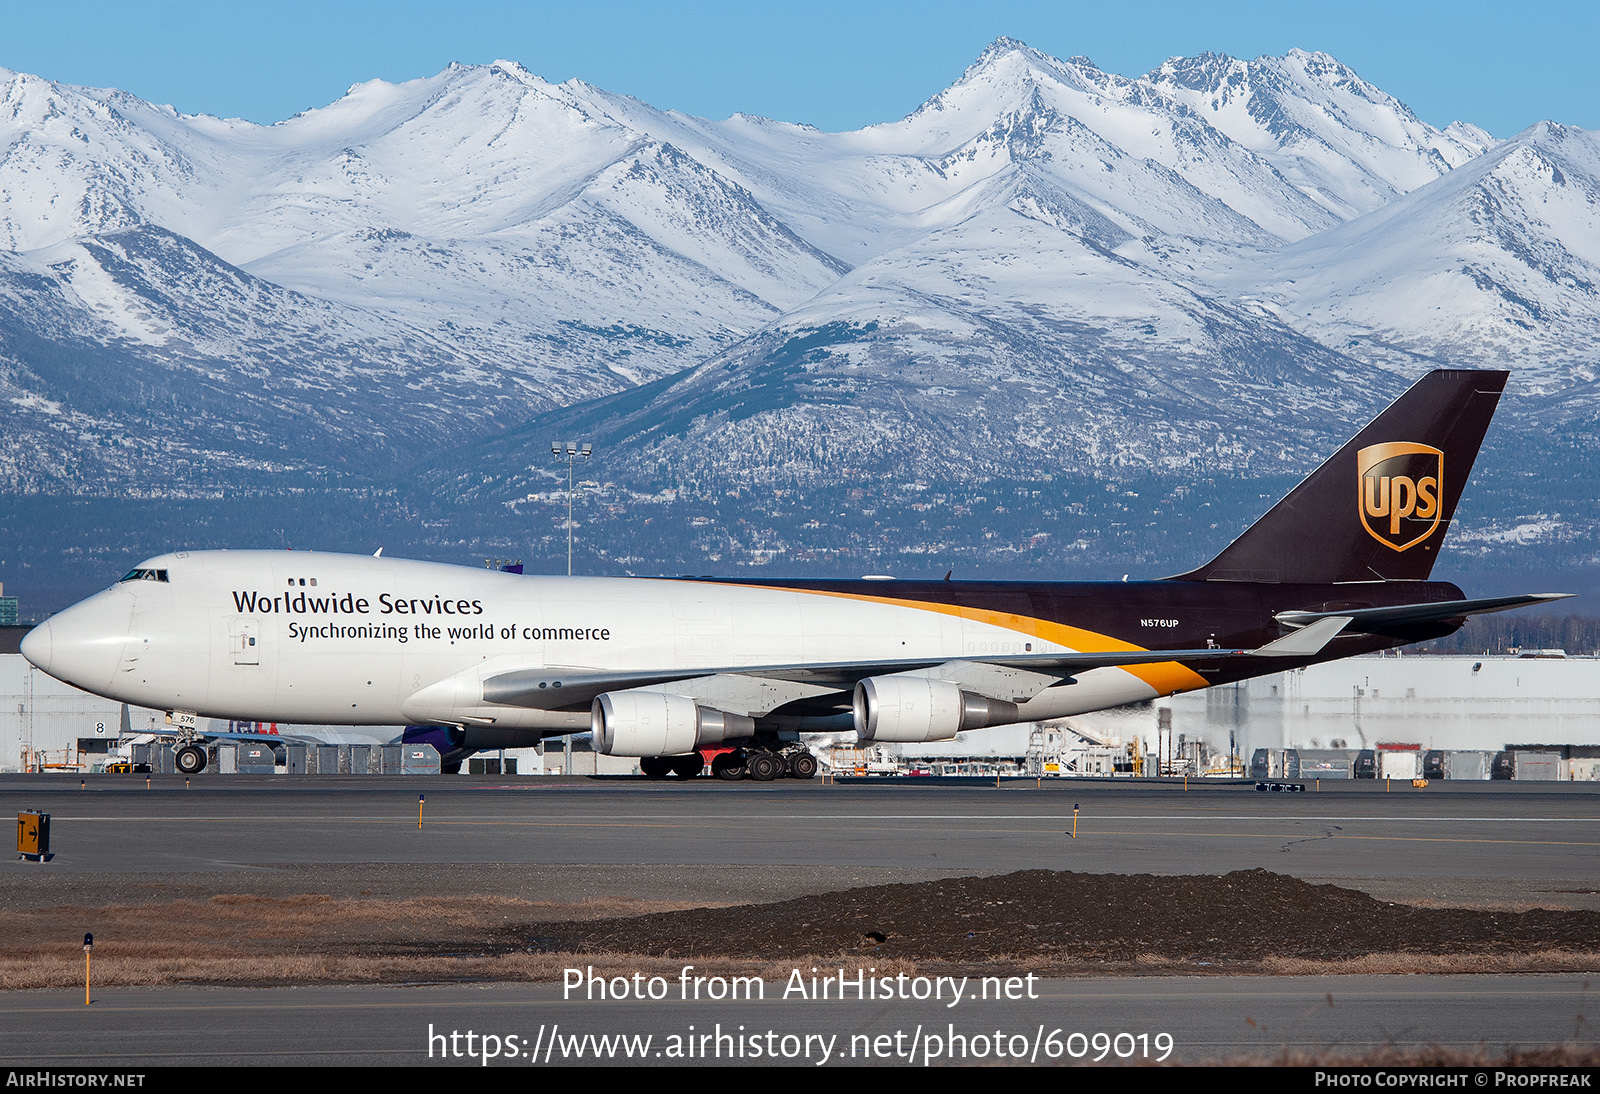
(420, 799)
(88, 944)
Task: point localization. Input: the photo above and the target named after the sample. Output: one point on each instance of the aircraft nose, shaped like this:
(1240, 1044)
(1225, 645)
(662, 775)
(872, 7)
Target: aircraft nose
(37, 646)
(82, 645)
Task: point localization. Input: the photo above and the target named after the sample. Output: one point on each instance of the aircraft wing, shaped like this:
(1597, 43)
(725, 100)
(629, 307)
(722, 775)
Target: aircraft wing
(754, 690)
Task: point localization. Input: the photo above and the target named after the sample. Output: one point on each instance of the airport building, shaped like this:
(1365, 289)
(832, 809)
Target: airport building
(1453, 702)
(1393, 702)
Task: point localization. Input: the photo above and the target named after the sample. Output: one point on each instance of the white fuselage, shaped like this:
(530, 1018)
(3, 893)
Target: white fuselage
(306, 637)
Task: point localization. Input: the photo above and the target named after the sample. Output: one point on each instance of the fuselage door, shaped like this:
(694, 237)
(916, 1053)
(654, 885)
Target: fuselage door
(244, 634)
(702, 629)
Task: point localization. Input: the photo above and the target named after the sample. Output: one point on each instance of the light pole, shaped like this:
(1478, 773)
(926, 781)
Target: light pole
(570, 451)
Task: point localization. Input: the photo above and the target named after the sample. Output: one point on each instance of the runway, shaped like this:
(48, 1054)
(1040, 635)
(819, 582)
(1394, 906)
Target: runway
(568, 840)
(713, 841)
(1159, 1019)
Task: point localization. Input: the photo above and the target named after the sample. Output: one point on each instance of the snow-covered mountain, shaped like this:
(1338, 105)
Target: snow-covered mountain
(434, 259)
(1495, 265)
(1213, 269)
(1344, 143)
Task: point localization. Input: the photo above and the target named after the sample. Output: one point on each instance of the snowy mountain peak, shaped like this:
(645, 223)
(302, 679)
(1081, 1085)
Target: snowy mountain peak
(1315, 75)
(1349, 145)
(1323, 63)
(516, 71)
(1202, 72)
(1555, 133)
(1496, 263)
(1469, 135)
(1009, 71)
(1002, 46)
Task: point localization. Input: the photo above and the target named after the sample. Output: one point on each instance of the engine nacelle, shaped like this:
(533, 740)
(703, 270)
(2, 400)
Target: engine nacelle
(653, 723)
(914, 709)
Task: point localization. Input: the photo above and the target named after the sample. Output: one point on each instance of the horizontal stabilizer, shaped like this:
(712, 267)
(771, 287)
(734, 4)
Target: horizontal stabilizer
(1378, 620)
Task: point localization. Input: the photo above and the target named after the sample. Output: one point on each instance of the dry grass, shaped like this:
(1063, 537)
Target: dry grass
(1374, 964)
(128, 964)
(232, 917)
(142, 970)
(1390, 964)
(1430, 1056)
(311, 910)
(312, 938)
(1476, 904)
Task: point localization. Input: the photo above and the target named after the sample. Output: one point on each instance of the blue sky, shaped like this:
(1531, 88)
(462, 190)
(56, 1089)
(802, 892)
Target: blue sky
(832, 64)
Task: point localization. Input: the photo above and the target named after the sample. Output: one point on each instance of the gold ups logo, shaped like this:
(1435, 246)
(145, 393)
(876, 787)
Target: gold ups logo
(1400, 484)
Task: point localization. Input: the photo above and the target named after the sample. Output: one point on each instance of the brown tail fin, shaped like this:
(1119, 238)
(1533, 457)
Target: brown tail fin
(1379, 508)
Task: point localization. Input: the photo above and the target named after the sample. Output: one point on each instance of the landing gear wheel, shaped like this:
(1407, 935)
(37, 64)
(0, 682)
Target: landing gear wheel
(687, 767)
(764, 766)
(656, 767)
(730, 766)
(190, 760)
(802, 765)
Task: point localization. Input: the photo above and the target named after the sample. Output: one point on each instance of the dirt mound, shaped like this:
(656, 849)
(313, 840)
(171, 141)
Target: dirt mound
(1038, 921)
(1063, 918)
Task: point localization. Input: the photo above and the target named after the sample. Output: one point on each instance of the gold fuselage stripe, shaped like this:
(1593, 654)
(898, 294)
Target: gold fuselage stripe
(1166, 677)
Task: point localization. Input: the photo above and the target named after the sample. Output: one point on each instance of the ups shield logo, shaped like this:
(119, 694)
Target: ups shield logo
(1401, 484)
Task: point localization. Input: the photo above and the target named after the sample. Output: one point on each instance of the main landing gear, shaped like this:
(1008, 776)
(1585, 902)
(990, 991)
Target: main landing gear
(762, 765)
(189, 759)
(751, 762)
(659, 767)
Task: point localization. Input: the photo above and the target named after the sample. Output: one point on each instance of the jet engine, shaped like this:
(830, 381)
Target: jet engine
(653, 723)
(913, 709)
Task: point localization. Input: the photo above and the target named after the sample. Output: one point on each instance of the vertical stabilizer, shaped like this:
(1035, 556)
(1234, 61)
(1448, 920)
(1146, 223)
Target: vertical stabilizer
(1379, 508)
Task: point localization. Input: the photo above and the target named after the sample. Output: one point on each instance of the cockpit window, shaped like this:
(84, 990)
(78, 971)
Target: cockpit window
(144, 575)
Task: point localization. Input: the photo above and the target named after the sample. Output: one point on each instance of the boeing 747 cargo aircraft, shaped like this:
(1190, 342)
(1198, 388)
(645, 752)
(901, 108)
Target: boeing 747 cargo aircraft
(660, 668)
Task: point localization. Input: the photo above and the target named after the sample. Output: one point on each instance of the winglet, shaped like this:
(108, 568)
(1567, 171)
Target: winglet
(1307, 641)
